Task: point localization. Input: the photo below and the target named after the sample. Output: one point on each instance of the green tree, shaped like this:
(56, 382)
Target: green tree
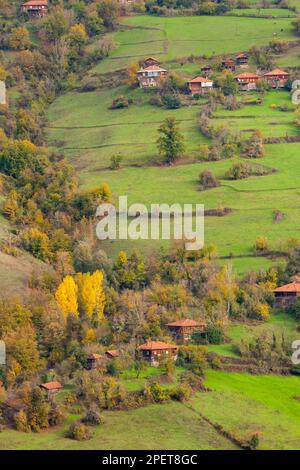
(171, 142)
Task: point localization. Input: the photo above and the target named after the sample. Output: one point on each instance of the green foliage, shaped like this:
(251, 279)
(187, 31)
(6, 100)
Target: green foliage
(170, 143)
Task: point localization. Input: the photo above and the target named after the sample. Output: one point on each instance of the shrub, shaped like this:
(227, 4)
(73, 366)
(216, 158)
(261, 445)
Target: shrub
(79, 432)
(254, 441)
(115, 161)
(171, 101)
(208, 180)
(56, 414)
(120, 102)
(215, 334)
(92, 417)
(21, 423)
(156, 393)
(261, 244)
(183, 392)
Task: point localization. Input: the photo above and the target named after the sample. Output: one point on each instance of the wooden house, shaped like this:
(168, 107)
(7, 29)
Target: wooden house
(247, 81)
(241, 60)
(112, 353)
(35, 8)
(200, 85)
(151, 76)
(228, 64)
(153, 351)
(276, 78)
(182, 330)
(51, 388)
(206, 69)
(94, 361)
(150, 61)
(287, 294)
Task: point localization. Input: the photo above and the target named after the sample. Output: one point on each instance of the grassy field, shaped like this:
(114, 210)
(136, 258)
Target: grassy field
(254, 404)
(266, 405)
(146, 35)
(89, 133)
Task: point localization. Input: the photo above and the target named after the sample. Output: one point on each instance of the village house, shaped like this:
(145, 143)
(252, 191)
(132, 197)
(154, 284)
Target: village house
(35, 8)
(200, 85)
(51, 388)
(241, 60)
(247, 81)
(94, 361)
(112, 353)
(182, 330)
(2, 92)
(287, 294)
(150, 61)
(206, 69)
(228, 64)
(153, 351)
(151, 76)
(276, 78)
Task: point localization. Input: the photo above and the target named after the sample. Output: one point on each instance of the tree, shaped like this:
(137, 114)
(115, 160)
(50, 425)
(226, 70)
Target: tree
(37, 243)
(56, 24)
(19, 39)
(38, 409)
(77, 36)
(228, 83)
(132, 70)
(170, 143)
(66, 296)
(91, 294)
(109, 12)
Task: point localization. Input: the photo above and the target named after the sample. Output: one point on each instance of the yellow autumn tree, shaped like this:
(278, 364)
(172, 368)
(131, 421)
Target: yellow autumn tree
(66, 296)
(91, 294)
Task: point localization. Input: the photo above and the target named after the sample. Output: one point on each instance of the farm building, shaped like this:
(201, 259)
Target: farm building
(276, 78)
(94, 360)
(152, 351)
(285, 295)
(112, 353)
(241, 60)
(229, 64)
(206, 69)
(35, 8)
(51, 388)
(182, 330)
(150, 61)
(151, 76)
(2, 92)
(247, 81)
(200, 85)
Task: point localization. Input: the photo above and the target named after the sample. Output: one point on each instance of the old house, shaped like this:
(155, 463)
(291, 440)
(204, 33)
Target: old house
(276, 78)
(285, 295)
(150, 61)
(241, 60)
(112, 353)
(228, 64)
(151, 76)
(206, 69)
(94, 361)
(200, 85)
(35, 8)
(51, 388)
(247, 81)
(2, 92)
(153, 351)
(182, 330)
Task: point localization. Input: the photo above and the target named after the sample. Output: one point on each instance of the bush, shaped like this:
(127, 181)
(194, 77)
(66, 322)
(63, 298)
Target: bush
(21, 423)
(183, 392)
(261, 245)
(171, 102)
(156, 393)
(79, 432)
(120, 102)
(92, 417)
(254, 442)
(215, 334)
(115, 161)
(208, 180)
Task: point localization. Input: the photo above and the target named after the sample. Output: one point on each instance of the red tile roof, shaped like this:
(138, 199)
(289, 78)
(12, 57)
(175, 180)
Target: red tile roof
(51, 385)
(15, 404)
(200, 80)
(246, 75)
(186, 322)
(113, 353)
(275, 72)
(152, 68)
(156, 345)
(35, 3)
(95, 356)
(292, 287)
